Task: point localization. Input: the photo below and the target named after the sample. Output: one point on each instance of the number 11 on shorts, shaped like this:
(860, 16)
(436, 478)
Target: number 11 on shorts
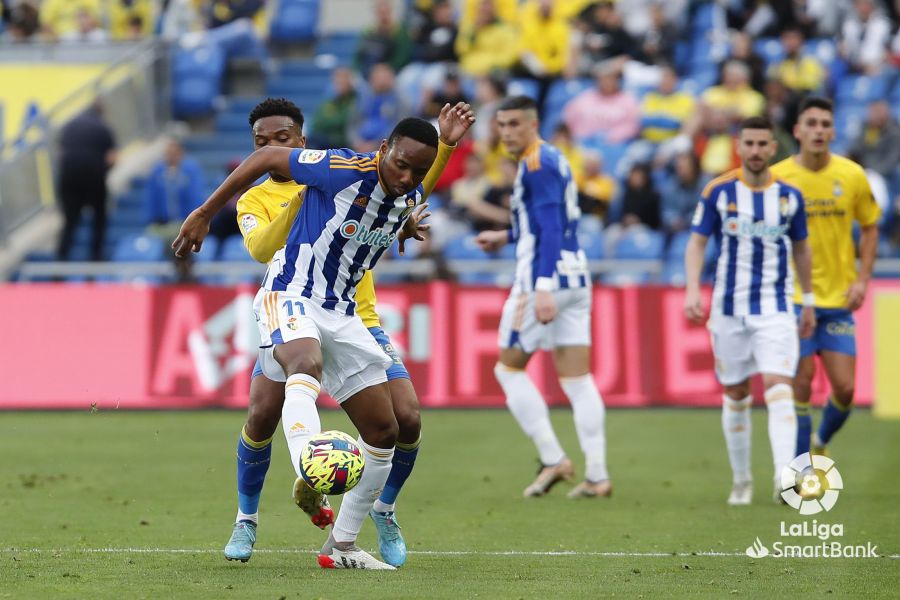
(289, 307)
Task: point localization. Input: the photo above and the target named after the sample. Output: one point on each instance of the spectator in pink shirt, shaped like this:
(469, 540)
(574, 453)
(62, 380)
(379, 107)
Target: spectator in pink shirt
(604, 112)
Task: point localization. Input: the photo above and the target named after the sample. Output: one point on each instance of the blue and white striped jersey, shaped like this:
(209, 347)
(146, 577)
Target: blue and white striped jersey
(545, 216)
(754, 227)
(345, 224)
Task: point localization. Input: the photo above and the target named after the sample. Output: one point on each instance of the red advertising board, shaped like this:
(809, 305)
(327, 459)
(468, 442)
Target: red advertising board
(68, 346)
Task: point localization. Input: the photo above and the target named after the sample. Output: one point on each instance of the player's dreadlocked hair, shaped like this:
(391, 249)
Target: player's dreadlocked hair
(415, 129)
(277, 107)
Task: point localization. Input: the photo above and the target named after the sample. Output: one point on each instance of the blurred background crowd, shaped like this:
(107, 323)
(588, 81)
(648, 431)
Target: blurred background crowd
(642, 96)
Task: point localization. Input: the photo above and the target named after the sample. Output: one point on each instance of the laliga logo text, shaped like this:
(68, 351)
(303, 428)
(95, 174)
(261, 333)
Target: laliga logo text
(818, 480)
(811, 484)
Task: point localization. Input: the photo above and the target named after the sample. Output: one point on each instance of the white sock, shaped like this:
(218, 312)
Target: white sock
(782, 425)
(245, 517)
(299, 416)
(737, 428)
(590, 423)
(529, 409)
(358, 502)
(380, 506)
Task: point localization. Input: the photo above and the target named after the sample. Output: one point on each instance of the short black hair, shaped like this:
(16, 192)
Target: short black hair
(518, 103)
(757, 123)
(417, 129)
(277, 107)
(815, 102)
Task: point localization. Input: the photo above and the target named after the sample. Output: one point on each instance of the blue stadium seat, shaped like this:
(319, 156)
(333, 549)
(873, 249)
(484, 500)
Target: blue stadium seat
(559, 93)
(196, 79)
(625, 278)
(233, 249)
(640, 245)
(592, 244)
(673, 273)
(704, 18)
(861, 88)
(294, 21)
(770, 49)
(824, 49)
(677, 246)
(341, 44)
(232, 122)
(611, 153)
(209, 251)
(139, 248)
(465, 248)
(522, 86)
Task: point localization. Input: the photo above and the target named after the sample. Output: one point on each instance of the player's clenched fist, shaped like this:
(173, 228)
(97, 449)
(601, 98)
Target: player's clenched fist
(693, 307)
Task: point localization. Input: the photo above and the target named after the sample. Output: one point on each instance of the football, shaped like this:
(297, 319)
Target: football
(332, 463)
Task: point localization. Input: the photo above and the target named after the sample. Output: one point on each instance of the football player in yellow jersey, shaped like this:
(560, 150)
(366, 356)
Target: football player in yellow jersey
(265, 215)
(837, 194)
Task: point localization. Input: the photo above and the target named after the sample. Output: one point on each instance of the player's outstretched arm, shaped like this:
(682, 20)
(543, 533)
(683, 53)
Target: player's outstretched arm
(453, 123)
(693, 267)
(196, 227)
(803, 263)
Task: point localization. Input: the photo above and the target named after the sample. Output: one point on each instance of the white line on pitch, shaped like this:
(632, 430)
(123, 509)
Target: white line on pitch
(418, 552)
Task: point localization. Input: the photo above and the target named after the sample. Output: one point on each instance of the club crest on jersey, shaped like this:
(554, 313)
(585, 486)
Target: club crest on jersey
(410, 205)
(311, 157)
(354, 230)
(361, 201)
(837, 189)
(784, 206)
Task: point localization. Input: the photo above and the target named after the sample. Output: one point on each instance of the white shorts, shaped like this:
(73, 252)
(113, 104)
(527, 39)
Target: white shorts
(351, 358)
(744, 346)
(519, 328)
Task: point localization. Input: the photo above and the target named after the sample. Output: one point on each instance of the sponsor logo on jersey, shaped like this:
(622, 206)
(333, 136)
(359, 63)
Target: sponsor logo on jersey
(311, 157)
(354, 230)
(248, 223)
(757, 229)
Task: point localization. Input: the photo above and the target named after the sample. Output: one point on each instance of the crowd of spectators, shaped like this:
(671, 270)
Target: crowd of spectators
(652, 89)
(659, 98)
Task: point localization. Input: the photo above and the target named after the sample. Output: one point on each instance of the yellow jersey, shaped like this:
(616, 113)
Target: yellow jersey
(265, 214)
(834, 196)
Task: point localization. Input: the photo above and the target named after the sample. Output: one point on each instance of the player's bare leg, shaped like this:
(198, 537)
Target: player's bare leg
(806, 370)
(573, 369)
(406, 410)
(301, 360)
(371, 411)
(736, 426)
(779, 397)
(530, 411)
(841, 371)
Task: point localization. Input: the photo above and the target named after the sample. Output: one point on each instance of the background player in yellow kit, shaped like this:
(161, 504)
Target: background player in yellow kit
(265, 215)
(837, 194)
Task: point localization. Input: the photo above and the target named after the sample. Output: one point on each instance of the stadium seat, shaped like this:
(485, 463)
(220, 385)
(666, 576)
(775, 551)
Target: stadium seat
(558, 94)
(677, 245)
(592, 244)
(340, 44)
(465, 248)
(522, 86)
(139, 248)
(770, 49)
(640, 245)
(209, 251)
(704, 18)
(231, 122)
(233, 250)
(294, 21)
(673, 273)
(196, 80)
(861, 88)
(625, 278)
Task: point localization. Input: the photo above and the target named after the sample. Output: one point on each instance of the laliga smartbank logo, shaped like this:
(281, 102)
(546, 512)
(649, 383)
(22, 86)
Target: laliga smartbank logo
(811, 484)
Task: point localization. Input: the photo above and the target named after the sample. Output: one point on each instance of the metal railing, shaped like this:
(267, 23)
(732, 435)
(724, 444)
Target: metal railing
(132, 89)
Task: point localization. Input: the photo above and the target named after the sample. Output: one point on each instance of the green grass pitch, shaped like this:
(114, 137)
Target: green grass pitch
(139, 505)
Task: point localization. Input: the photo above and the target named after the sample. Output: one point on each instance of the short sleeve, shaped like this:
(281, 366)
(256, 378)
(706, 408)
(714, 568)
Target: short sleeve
(706, 218)
(797, 230)
(865, 208)
(546, 185)
(311, 167)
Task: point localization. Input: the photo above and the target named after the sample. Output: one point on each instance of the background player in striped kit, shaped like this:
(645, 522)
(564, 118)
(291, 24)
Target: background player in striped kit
(760, 222)
(549, 305)
(837, 193)
(354, 207)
